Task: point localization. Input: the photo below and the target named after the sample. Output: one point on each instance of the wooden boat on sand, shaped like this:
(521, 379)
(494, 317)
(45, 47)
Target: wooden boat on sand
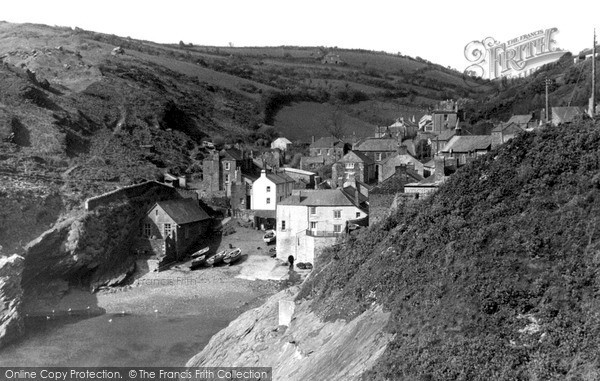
(217, 258)
(233, 256)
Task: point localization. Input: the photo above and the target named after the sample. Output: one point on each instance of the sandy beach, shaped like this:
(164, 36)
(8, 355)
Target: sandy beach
(158, 318)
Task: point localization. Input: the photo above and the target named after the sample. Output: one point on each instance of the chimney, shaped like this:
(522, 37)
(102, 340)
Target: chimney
(312, 139)
(401, 174)
(356, 193)
(440, 162)
(263, 173)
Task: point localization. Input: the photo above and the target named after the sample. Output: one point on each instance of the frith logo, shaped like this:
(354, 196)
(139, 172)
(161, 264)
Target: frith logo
(516, 58)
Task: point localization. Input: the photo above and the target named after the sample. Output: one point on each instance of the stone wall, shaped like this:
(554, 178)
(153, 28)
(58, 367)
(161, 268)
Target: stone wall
(125, 193)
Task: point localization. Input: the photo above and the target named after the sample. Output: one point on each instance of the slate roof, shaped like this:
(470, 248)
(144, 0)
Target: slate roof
(279, 178)
(356, 157)
(520, 119)
(183, 211)
(565, 114)
(468, 143)
(505, 126)
(326, 142)
(446, 135)
(323, 197)
(232, 154)
(282, 140)
(378, 145)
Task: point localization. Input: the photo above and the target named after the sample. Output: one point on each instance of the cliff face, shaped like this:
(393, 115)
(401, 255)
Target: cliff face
(309, 349)
(11, 324)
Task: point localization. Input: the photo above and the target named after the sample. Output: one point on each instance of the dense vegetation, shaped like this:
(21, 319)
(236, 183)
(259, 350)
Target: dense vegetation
(495, 277)
(569, 85)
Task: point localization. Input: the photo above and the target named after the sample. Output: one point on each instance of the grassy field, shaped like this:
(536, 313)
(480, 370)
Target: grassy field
(302, 120)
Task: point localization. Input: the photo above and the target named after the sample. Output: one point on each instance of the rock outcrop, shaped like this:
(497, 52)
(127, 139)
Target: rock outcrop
(11, 324)
(309, 349)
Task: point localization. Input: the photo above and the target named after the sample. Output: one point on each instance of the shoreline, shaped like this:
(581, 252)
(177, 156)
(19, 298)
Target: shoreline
(177, 307)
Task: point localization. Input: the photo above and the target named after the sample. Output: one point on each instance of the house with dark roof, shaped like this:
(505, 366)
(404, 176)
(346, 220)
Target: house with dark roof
(398, 159)
(172, 227)
(562, 115)
(463, 147)
(222, 168)
(523, 121)
(353, 166)
(310, 220)
(378, 149)
(328, 147)
(503, 132)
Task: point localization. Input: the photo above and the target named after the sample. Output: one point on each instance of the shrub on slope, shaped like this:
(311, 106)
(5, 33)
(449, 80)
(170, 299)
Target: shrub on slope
(493, 277)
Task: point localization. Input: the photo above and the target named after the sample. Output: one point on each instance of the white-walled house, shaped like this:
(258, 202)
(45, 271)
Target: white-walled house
(310, 220)
(281, 143)
(267, 191)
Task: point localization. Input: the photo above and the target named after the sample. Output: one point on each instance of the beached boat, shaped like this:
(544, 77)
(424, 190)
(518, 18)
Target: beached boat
(233, 255)
(198, 262)
(200, 252)
(217, 258)
(269, 236)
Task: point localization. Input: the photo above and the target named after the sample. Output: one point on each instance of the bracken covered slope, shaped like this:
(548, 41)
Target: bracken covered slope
(495, 277)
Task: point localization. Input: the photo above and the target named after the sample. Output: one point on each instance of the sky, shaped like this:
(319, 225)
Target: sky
(434, 30)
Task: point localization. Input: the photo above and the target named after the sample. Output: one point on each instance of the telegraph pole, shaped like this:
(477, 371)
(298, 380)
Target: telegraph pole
(547, 81)
(592, 107)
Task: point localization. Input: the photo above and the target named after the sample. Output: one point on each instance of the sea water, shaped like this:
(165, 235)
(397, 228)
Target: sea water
(113, 340)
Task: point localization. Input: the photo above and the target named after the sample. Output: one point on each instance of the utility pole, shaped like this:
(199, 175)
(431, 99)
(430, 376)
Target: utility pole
(592, 108)
(547, 81)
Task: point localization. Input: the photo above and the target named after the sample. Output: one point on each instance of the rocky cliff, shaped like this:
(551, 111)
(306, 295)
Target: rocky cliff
(309, 349)
(11, 324)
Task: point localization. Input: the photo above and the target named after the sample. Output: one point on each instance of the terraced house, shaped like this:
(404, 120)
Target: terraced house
(310, 220)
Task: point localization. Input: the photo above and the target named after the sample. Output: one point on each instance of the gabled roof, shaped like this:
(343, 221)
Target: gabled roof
(356, 157)
(322, 197)
(566, 114)
(232, 154)
(468, 143)
(508, 126)
(378, 144)
(446, 134)
(520, 119)
(327, 142)
(279, 178)
(403, 158)
(183, 211)
(282, 140)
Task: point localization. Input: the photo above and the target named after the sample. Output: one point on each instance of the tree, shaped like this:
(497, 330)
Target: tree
(333, 123)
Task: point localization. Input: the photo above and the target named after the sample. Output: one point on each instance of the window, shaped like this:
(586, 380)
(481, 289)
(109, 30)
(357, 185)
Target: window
(350, 165)
(313, 225)
(337, 228)
(268, 200)
(282, 225)
(313, 210)
(268, 188)
(147, 230)
(227, 166)
(227, 178)
(156, 212)
(167, 230)
(378, 156)
(357, 214)
(337, 214)
(318, 151)
(241, 201)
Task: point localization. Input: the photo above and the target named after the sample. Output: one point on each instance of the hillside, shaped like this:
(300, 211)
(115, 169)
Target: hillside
(494, 277)
(570, 85)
